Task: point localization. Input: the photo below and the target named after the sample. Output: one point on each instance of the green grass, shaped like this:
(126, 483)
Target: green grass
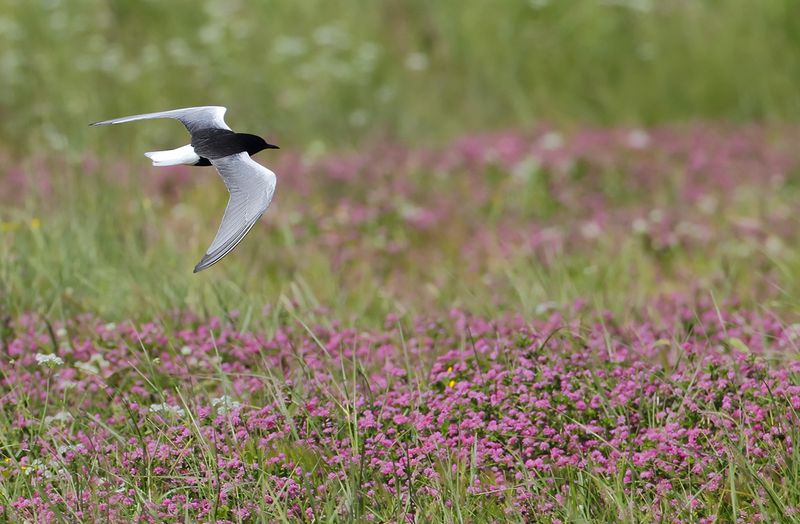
(102, 244)
(314, 74)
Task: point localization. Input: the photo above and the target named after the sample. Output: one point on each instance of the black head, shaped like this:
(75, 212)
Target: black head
(255, 143)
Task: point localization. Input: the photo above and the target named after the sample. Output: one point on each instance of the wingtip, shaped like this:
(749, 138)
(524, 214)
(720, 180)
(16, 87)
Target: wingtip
(203, 264)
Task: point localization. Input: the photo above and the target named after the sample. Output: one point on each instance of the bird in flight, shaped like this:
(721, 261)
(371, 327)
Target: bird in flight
(250, 184)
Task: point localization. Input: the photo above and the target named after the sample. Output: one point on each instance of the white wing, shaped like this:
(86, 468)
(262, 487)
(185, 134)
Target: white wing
(251, 186)
(194, 118)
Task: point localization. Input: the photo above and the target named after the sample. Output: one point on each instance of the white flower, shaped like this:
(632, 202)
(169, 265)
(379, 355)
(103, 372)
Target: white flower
(65, 448)
(67, 384)
(526, 168)
(638, 139)
(329, 35)
(35, 466)
(61, 416)
(643, 6)
(774, 245)
(61, 332)
(640, 225)
(186, 350)
(289, 46)
(166, 408)
(417, 61)
(708, 204)
(551, 140)
(225, 404)
(358, 118)
(94, 365)
(86, 367)
(793, 331)
(544, 307)
(49, 361)
(656, 215)
(591, 230)
(98, 360)
(366, 55)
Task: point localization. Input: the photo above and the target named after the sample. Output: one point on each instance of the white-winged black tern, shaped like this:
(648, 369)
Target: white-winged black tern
(250, 184)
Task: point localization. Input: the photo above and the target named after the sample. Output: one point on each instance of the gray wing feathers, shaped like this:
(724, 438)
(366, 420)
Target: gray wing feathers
(194, 118)
(251, 187)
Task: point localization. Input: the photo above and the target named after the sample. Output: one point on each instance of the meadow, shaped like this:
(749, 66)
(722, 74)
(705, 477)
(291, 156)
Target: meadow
(529, 263)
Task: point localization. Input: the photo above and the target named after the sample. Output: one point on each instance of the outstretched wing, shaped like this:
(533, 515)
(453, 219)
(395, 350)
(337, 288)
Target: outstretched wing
(251, 186)
(194, 118)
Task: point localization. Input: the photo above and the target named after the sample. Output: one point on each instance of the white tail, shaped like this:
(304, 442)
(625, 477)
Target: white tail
(174, 157)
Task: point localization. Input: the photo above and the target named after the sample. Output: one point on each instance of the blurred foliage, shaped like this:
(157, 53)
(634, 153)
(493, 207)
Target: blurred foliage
(315, 74)
(318, 77)
(492, 223)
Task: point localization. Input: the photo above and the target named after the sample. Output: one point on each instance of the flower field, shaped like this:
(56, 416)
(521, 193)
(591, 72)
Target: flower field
(526, 261)
(503, 220)
(569, 416)
(666, 392)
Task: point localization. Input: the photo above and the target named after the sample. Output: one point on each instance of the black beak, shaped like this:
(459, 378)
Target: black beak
(272, 146)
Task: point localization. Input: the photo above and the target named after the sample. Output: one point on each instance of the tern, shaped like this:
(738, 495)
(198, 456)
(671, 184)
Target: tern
(213, 143)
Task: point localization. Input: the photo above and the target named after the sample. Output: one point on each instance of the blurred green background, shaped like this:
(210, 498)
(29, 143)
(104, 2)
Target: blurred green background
(320, 74)
(330, 78)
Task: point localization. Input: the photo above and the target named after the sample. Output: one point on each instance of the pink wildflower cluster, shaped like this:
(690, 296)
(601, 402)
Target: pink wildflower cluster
(547, 193)
(540, 192)
(517, 416)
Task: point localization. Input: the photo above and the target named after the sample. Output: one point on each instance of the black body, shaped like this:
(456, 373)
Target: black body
(212, 143)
